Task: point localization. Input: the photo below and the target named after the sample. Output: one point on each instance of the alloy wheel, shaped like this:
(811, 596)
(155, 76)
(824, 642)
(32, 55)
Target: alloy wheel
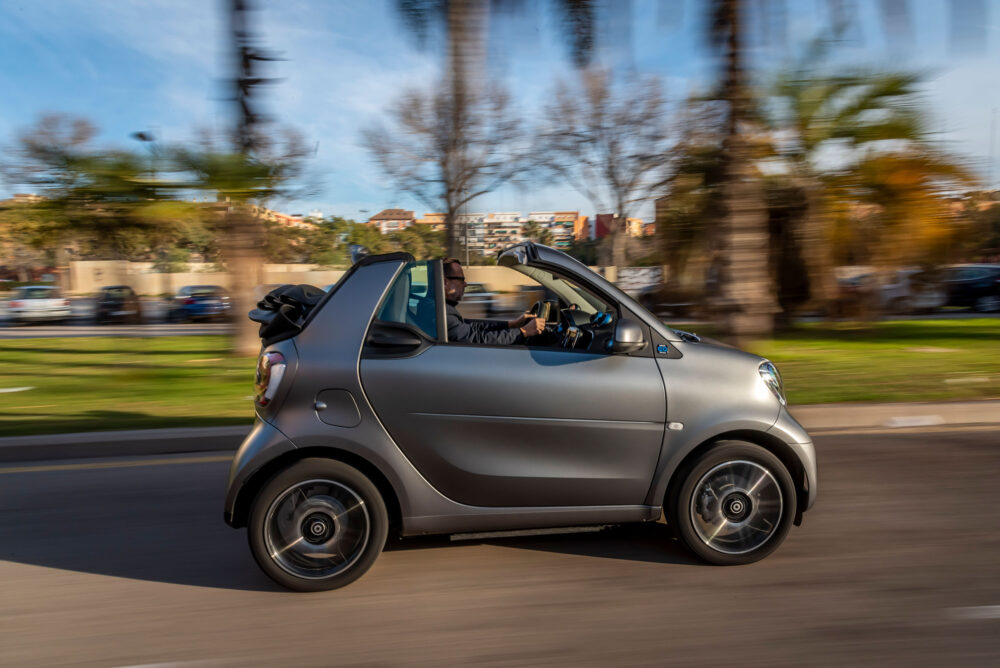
(736, 507)
(316, 529)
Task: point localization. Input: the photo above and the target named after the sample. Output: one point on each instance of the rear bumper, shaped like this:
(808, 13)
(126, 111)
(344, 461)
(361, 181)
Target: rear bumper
(263, 445)
(37, 314)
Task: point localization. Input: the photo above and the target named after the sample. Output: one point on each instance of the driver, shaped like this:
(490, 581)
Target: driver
(481, 331)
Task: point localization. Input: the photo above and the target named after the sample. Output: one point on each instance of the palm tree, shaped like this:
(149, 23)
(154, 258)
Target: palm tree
(886, 159)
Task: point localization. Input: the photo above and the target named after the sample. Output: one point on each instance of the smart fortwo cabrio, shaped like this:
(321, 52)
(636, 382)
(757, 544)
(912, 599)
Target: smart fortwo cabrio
(369, 421)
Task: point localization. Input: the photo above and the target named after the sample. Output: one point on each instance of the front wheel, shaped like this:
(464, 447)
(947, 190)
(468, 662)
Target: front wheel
(318, 525)
(733, 505)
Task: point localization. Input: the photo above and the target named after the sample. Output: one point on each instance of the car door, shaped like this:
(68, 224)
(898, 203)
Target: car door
(513, 425)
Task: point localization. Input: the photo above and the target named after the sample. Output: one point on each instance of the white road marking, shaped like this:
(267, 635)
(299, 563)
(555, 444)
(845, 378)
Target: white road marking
(915, 421)
(16, 389)
(975, 612)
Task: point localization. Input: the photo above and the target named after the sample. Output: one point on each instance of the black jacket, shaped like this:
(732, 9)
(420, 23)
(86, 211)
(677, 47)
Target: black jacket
(479, 331)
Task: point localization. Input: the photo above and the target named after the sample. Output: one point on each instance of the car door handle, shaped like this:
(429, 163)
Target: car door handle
(395, 339)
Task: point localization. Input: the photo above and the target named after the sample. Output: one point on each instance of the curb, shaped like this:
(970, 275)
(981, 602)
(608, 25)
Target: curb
(824, 417)
(121, 443)
(817, 419)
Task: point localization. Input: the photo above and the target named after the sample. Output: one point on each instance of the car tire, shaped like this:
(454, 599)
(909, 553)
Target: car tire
(987, 304)
(318, 525)
(732, 505)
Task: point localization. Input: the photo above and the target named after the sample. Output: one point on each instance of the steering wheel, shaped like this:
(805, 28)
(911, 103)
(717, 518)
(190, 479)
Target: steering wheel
(545, 307)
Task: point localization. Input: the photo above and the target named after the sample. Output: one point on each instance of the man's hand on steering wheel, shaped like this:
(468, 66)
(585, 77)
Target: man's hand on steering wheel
(519, 321)
(534, 327)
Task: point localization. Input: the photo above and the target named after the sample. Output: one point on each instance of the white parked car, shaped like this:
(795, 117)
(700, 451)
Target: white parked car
(911, 291)
(33, 303)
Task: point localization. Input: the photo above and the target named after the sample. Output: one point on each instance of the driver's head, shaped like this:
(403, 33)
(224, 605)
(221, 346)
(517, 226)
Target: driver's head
(454, 280)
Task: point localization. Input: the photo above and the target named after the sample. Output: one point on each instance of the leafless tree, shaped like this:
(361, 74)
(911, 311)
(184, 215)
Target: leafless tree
(447, 150)
(609, 142)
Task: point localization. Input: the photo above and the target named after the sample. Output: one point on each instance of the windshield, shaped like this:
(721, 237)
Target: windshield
(566, 290)
(206, 291)
(36, 293)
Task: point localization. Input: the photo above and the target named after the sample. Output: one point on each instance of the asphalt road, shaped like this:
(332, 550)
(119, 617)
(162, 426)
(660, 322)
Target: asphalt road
(896, 565)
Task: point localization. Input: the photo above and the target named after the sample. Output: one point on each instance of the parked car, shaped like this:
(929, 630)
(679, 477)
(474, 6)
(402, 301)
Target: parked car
(118, 303)
(479, 302)
(37, 303)
(974, 286)
(199, 302)
(370, 421)
(911, 291)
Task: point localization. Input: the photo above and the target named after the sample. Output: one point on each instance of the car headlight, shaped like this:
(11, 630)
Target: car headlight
(769, 374)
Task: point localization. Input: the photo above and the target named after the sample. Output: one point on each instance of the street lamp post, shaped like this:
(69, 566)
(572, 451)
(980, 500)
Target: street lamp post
(148, 138)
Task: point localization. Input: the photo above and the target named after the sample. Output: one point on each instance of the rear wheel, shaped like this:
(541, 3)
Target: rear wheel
(318, 525)
(734, 504)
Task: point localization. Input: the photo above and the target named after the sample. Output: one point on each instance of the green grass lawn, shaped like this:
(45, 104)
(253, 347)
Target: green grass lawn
(92, 384)
(924, 360)
(88, 384)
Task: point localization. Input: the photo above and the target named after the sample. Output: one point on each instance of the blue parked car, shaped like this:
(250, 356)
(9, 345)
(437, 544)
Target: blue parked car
(199, 302)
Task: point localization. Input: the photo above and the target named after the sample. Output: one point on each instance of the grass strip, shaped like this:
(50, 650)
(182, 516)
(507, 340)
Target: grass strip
(93, 384)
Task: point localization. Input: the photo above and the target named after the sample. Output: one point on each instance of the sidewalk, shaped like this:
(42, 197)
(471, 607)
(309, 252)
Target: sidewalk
(817, 419)
(827, 417)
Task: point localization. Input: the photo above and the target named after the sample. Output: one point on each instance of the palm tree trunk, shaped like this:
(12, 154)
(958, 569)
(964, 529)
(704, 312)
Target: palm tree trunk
(619, 239)
(816, 250)
(241, 251)
(747, 294)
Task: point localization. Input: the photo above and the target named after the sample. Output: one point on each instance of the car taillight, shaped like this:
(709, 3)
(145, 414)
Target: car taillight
(65, 302)
(270, 370)
(189, 301)
(16, 304)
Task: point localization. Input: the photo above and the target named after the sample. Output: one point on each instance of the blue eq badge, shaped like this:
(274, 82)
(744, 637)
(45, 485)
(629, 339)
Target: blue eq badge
(662, 349)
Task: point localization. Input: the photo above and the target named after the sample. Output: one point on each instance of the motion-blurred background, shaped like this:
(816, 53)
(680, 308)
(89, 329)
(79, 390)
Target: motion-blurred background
(785, 176)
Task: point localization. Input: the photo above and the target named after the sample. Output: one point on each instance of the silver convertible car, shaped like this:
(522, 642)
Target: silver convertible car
(370, 422)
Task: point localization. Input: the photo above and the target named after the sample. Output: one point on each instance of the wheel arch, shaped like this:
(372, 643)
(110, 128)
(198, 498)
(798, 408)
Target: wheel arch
(769, 442)
(248, 492)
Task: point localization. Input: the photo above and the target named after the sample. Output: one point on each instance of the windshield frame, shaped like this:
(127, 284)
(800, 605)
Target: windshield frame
(569, 289)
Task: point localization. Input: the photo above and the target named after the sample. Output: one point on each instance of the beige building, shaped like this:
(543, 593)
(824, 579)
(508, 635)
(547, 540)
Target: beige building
(435, 221)
(392, 220)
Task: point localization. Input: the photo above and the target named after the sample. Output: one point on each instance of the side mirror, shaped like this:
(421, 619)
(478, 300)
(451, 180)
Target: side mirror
(628, 337)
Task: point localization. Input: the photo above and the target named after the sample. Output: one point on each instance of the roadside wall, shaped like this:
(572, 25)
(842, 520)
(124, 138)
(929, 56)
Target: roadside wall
(87, 277)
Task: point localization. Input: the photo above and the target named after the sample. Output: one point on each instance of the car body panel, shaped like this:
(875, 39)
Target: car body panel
(537, 431)
(713, 390)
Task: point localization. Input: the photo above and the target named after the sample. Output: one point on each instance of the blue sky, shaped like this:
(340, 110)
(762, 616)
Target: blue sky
(133, 65)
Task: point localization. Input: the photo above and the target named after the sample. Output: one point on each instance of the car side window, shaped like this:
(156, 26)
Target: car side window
(411, 299)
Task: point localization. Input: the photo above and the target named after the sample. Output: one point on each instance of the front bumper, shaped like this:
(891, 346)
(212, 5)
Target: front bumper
(795, 436)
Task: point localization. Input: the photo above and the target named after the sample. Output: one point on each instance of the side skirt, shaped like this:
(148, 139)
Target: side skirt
(481, 520)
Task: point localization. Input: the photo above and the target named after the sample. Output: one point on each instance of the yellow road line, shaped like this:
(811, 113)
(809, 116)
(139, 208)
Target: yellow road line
(114, 465)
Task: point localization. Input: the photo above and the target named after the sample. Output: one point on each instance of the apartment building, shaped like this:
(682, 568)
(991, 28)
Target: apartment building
(501, 230)
(392, 220)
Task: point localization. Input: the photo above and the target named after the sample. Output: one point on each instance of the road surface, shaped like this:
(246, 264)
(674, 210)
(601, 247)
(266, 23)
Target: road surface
(128, 562)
